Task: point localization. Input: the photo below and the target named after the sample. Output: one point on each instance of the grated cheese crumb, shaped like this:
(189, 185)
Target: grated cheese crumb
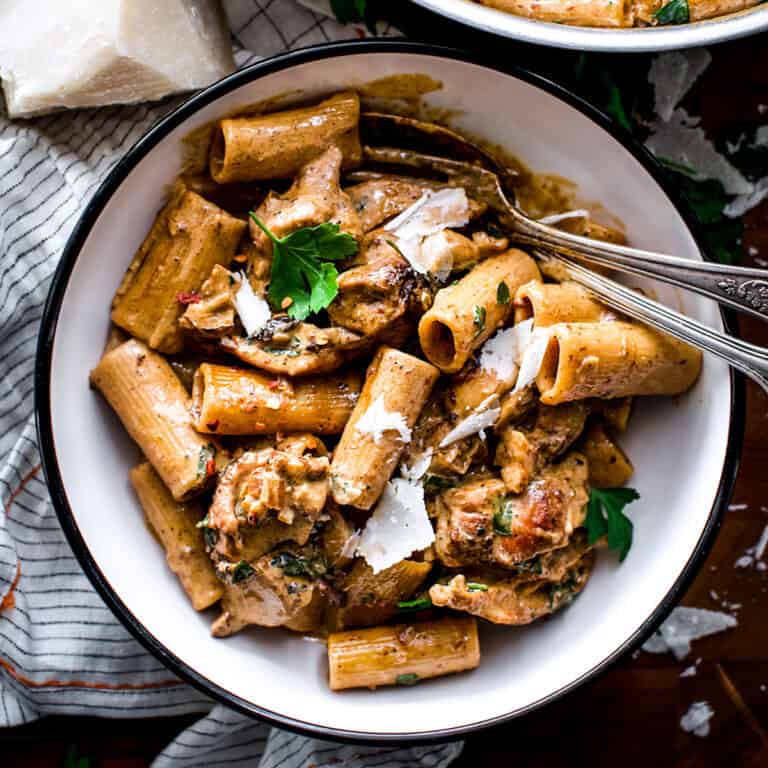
(253, 311)
(486, 415)
(685, 625)
(696, 719)
(419, 467)
(377, 420)
(398, 526)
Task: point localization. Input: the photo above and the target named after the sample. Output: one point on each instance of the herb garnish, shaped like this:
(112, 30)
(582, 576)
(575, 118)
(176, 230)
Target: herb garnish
(435, 484)
(410, 678)
(302, 268)
(478, 318)
(242, 571)
(473, 586)
(502, 293)
(605, 516)
(73, 760)
(674, 12)
(503, 515)
(210, 535)
(419, 604)
(206, 462)
(298, 566)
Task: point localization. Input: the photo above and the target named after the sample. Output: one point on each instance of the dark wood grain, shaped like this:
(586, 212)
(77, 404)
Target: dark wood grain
(630, 716)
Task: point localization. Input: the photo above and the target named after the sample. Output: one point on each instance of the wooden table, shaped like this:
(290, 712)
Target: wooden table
(630, 716)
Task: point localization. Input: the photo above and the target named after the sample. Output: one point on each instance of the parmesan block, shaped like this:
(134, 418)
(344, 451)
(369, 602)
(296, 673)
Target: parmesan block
(81, 53)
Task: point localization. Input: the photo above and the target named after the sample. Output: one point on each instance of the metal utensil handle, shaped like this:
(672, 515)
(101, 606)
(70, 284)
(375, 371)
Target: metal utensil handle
(741, 288)
(745, 357)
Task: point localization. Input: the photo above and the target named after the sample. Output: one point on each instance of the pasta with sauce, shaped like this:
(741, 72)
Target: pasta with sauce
(362, 414)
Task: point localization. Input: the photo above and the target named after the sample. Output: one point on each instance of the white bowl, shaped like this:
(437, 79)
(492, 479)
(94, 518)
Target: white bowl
(635, 40)
(685, 450)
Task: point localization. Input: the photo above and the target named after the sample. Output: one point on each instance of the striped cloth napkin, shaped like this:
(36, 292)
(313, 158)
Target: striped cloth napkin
(61, 650)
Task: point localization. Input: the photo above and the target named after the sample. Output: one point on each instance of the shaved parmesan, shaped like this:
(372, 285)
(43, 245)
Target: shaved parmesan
(533, 356)
(253, 311)
(350, 545)
(683, 141)
(419, 468)
(761, 137)
(696, 719)
(112, 51)
(556, 218)
(398, 527)
(685, 625)
(503, 352)
(377, 420)
(485, 416)
(743, 203)
(689, 671)
(672, 75)
(418, 232)
(753, 555)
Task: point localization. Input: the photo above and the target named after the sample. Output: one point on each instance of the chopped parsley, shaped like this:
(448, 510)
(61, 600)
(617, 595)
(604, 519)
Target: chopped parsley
(302, 267)
(503, 515)
(419, 604)
(435, 484)
(478, 318)
(73, 760)
(605, 516)
(347, 11)
(210, 535)
(242, 571)
(674, 12)
(206, 462)
(473, 586)
(531, 566)
(285, 351)
(502, 293)
(298, 566)
(410, 678)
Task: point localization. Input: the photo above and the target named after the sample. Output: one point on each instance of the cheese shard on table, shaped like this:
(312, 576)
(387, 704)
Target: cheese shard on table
(81, 53)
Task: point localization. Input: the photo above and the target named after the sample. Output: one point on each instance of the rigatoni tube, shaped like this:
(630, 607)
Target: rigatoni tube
(277, 145)
(402, 654)
(468, 312)
(582, 13)
(609, 466)
(616, 359)
(233, 401)
(188, 239)
(175, 525)
(397, 385)
(550, 303)
(153, 405)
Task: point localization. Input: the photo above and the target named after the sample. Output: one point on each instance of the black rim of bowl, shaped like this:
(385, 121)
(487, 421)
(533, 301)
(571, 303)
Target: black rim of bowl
(48, 331)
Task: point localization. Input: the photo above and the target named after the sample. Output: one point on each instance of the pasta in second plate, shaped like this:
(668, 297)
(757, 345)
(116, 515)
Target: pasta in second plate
(364, 415)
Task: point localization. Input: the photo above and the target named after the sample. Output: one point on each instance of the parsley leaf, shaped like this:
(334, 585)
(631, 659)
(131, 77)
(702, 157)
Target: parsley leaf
(410, 678)
(503, 514)
(478, 318)
(72, 760)
(419, 604)
(301, 567)
(605, 516)
(301, 266)
(474, 586)
(674, 12)
(242, 571)
(210, 535)
(349, 10)
(502, 293)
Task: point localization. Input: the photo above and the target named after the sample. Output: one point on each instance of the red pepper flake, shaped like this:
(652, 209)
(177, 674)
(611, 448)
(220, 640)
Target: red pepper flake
(188, 297)
(274, 384)
(213, 425)
(210, 467)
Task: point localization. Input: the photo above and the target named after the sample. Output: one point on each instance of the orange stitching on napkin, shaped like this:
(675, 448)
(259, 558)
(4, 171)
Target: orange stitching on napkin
(9, 601)
(84, 683)
(24, 480)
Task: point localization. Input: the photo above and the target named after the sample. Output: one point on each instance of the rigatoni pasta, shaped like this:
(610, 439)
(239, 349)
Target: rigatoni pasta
(188, 239)
(175, 525)
(154, 408)
(236, 401)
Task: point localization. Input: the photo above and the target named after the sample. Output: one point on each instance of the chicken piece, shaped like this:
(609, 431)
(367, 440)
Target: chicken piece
(479, 524)
(522, 452)
(303, 350)
(382, 197)
(544, 516)
(523, 598)
(211, 313)
(380, 200)
(515, 406)
(315, 198)
(284, 588)
(380, 293)
(370, 599)
(265, 497)
(489, 245)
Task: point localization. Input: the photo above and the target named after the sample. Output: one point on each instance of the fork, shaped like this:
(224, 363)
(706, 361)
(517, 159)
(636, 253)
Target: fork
(741, 288)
